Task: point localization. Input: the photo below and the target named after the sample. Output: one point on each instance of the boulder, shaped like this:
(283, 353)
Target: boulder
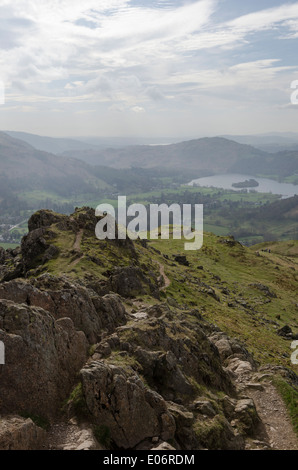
(90, 313)
(181, 259)
(204, 407)
(42, 358)
(130, 281)
(246, 413)
(285, 332)
(118, 399)
(18, 433)
(163, 446)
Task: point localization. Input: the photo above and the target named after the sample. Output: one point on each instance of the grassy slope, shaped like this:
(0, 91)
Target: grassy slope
(237, 306)
(252, 316)
(221, 283)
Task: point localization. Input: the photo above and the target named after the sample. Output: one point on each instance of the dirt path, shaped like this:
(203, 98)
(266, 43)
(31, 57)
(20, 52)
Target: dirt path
(77, 243)
(279, 260)
(77, 248)
(275, 418)
(70, 436)
(275, 431)
(167, 281)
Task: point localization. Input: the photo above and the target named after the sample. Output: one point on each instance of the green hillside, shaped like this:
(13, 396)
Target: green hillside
(196, 341)
(246, 291)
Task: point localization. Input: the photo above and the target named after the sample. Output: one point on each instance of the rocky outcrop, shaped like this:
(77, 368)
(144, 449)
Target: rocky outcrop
(37, 249)
(139, 375)
(174, 358)
(118, 399)
(90, 313)
(43, 356)
(131, 281)
(161, 349)
(233, 354)
(169, 352)
(18, 433)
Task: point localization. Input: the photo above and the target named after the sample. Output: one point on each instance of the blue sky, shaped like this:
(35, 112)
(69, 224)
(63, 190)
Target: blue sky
(157, 68)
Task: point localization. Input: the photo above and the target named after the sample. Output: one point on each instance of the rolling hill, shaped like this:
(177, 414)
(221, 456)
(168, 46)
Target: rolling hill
(205, 156)
(214, 155)
(22, 167)
(54, 145)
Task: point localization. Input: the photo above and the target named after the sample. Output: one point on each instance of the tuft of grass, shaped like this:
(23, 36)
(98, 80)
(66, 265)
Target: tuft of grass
(289, 395)
(40, 421)
(78, 402)
(210, 433)
(102, 434)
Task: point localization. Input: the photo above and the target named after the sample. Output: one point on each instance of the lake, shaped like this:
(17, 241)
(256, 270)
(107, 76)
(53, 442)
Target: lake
(265, 185)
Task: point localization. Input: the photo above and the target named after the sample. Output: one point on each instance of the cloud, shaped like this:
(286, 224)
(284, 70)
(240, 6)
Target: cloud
(264, 19)
(134, 56)
(138, 109)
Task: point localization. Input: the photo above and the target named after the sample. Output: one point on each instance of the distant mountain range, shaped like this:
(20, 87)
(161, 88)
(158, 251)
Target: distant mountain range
(23, 167)
(58, 145)
(215, 154)
(211, 155)
(273, 142)
(54, 145)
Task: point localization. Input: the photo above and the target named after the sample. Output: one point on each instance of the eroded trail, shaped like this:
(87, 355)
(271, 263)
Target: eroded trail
(70, 436)
(77, 243)
(276, 429)
(275, 419)
(77, 248)
(167, 281)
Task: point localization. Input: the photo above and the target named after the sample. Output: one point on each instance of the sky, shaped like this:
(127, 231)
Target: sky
(157, 68)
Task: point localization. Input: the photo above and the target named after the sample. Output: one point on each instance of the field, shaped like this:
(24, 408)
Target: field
(226, 212)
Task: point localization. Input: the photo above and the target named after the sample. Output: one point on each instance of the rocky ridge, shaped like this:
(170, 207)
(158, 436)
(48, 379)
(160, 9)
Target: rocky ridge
(105, 370)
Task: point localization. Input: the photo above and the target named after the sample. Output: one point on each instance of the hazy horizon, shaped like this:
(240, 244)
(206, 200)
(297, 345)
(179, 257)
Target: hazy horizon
(162, 138)
(148, 69)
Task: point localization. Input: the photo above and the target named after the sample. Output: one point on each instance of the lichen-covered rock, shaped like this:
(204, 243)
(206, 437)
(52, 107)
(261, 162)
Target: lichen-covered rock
(89, 312)
(42, 358)
(230, 349)
(131, 281)
(118, 399)
(44, 218)
(245, 412)
(170, 352)
(36, 248)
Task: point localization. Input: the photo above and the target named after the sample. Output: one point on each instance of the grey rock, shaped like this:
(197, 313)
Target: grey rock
(18, 433)
(118, 399)
(42, 358)
(204, 407)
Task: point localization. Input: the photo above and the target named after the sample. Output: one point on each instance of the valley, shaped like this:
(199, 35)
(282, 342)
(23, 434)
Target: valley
(160, 177)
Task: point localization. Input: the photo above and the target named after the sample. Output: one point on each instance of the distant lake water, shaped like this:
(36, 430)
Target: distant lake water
(265, 185)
